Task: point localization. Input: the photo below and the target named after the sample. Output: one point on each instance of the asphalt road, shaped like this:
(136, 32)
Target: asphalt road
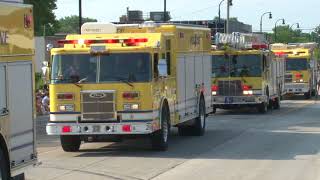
(238, 145)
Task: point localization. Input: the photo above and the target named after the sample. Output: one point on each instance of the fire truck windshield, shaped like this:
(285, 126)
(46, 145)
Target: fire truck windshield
(73, 68)
(117, 67)
(297, 64)
(237, 66)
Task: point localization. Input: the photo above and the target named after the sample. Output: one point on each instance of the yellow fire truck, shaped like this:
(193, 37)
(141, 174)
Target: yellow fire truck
(17, 125)
(245, 73)
(125, 80)
(301, 67)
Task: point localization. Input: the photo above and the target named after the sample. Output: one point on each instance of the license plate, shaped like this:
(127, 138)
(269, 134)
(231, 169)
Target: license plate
(96, 129)
(228, 100)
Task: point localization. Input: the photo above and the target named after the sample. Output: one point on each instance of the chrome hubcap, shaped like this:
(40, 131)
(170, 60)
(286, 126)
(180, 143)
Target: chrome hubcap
(202, 118)
(0, 175)
(165, 131)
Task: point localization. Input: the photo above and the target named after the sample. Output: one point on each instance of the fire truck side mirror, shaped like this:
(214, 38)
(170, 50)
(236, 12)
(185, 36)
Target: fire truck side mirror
(162, 68)
(49, 47)
(45, 70)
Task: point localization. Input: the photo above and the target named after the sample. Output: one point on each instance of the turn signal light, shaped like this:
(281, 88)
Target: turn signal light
(130, 95)
(299, 76)
(66, 129)
(246, 87)
(214, 88)
(126, 128)
(65, 96)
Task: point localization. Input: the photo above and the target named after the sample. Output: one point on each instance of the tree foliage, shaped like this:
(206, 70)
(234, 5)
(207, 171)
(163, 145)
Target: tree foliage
(44, 17)
(286, 34)
(70, 24)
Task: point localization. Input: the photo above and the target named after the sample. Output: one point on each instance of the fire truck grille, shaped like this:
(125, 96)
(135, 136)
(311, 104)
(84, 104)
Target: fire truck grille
(288, 78)
(230, 88)
(98, 106)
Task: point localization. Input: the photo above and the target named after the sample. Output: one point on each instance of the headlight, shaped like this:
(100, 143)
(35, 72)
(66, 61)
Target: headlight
(248, 92)
(214, 93)
(131, 106)
(66, 108)
(301, 80)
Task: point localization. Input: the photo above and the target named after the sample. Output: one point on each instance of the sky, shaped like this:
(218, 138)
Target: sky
(305, 12)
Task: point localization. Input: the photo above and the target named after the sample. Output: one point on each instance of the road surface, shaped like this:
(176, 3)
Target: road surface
(238, 145)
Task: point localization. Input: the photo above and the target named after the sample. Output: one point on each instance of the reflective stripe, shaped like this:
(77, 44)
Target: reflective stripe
(64, 117)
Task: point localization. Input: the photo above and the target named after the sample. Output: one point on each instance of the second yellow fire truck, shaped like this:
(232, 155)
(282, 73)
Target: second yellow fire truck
(301, 67)
(246, 73)
(124, 80)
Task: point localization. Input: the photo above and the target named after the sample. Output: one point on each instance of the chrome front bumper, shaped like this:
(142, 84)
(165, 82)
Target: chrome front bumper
(296, 88)
(143, 127)
(239, 100)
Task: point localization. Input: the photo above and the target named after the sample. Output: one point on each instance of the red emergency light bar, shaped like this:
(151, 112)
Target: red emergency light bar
(131, 41)
(259, 46)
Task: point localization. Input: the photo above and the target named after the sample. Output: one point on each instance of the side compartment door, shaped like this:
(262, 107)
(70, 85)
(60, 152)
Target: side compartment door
(181, 82)
(20, 88)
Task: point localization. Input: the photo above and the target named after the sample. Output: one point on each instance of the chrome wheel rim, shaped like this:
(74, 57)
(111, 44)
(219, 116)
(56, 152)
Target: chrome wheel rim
(165, 131)
(0, 175)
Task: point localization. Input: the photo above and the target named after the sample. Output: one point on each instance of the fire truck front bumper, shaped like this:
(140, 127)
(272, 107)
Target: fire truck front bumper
(296, 88)
(239, 100)
(123, 128)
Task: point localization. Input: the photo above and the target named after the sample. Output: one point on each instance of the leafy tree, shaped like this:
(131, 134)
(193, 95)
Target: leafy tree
(44, 17)
(285, 34)
(70, 24)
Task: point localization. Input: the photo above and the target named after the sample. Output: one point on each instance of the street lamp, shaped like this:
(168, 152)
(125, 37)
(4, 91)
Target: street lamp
(270, 17)
(220, 10)
(165, 11)
(298, 25)
(228, 14)
(275, 28)
(80, 16)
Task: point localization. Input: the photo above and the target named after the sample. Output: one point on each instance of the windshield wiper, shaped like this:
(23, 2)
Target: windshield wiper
(124, 80)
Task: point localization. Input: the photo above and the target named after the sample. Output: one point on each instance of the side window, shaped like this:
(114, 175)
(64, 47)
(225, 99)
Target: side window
(169, 63)
(168, 56)
(264, 62)
(155, 65)
(3, 91)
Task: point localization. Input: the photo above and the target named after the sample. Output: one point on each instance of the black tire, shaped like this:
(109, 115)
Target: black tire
(313, 93)
(159, 139)
(263, 108)
(199, 127)
(70, 143)
(4, 171)
(184, 131)
(276, 103)
(307, 95)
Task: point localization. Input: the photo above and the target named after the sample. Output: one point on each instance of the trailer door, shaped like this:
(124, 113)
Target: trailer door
(20, 87)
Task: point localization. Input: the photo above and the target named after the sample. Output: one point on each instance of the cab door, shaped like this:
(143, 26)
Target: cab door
(3, 100)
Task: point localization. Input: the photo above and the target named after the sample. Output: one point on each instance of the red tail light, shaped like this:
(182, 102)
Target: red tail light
(126, 128)
(66, 129)
(130, 95)
(246, 87)
(214, 88)
(65, 96)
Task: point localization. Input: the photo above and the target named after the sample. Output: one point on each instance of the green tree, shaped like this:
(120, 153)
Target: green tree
(44, 17)
(286, 34)
(70, 24)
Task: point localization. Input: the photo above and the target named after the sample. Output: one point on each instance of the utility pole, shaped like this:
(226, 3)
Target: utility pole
(228, 16)
(165, 11)
(80, 16)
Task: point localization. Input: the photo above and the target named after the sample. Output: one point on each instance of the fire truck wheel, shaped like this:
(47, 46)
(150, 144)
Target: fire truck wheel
(70, 143)
(200, 123)
(159, 138)
(313, 92)
(276, 103)
(307, 95)
(4, 172)
(263, 108)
